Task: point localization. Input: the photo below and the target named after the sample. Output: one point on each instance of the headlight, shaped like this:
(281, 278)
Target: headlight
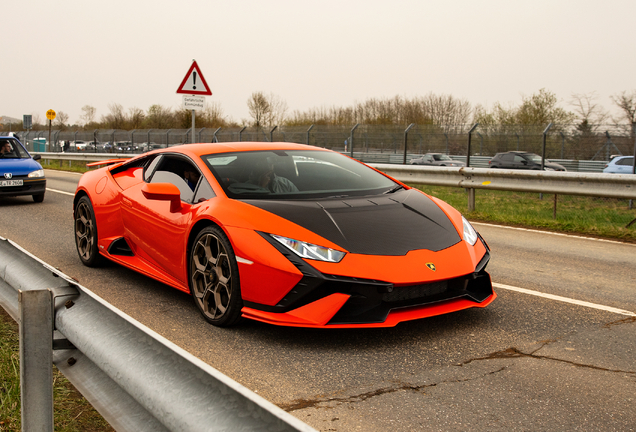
(310, 251)
(38, 173)
(470, 235)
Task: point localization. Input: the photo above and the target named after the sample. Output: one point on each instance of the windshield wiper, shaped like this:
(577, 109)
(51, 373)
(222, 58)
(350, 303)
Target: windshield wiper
(395, 189)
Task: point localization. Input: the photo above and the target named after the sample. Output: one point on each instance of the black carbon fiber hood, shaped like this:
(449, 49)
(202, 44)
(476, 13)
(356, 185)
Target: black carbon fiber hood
(381, 225)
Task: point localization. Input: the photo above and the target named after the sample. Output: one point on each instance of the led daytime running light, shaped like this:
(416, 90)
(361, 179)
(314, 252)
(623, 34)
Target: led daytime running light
(310, 251)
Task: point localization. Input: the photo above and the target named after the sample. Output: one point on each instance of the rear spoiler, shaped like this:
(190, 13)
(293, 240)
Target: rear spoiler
(107, 162)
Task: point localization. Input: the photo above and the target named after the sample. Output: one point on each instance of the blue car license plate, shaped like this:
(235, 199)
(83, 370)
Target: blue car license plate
(10, 182)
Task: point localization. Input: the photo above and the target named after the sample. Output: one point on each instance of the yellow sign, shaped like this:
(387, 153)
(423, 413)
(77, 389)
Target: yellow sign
(50, 114)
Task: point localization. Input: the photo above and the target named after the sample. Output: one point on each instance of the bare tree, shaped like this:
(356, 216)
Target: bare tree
(88, 115)
(61, 120)
(116, 119)
(259, 108)
(627, 103)
(159, 117)
(587, 109)
(277, 110)
(136, 117)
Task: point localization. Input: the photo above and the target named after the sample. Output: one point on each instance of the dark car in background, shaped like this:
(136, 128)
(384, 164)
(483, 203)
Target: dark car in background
(20, 174)
(437, 159)
(522, 160)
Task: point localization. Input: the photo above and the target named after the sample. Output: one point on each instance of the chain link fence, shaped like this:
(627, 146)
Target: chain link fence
(570, 142)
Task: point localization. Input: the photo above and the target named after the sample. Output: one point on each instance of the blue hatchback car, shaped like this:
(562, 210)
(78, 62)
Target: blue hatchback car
(620, 165)
(20, 174)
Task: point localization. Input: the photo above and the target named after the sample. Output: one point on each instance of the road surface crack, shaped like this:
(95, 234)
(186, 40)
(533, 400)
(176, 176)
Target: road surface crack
(516, 353)
(315, 403)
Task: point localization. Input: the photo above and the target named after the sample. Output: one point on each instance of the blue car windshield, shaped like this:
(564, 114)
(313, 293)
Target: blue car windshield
(294, 174)
(12, 149)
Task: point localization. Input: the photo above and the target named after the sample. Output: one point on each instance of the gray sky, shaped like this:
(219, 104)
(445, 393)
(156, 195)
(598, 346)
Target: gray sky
(65, 54)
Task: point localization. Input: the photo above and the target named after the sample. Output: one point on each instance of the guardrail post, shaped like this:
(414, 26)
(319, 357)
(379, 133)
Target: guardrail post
(406, 134)
(471, 199)
(470, 134)
(36, 359)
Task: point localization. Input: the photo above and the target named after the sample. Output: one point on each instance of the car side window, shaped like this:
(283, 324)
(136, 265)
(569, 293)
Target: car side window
(182, 173)
(519, 159)
(507, 158)
(625, 161)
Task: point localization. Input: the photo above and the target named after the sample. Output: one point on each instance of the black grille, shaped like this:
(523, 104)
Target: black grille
(414, 292)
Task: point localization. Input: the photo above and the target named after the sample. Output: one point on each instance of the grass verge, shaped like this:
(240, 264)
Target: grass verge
(597, 217)
(72, 412)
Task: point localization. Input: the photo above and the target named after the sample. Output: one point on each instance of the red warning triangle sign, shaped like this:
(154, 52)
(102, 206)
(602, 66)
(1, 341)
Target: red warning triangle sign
(194, 83)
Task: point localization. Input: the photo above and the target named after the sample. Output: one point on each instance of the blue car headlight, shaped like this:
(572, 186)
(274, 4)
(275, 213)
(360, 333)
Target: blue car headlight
(310, 251)
(470, 235)
(37, 173)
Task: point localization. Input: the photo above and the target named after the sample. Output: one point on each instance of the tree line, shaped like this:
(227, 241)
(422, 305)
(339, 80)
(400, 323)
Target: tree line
(266, 110)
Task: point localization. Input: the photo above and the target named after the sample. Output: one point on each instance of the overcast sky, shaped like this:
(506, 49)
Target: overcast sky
(66, 54)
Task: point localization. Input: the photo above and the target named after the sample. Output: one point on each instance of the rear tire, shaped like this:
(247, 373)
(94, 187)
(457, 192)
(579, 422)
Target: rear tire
(214, 278)
(86, 233)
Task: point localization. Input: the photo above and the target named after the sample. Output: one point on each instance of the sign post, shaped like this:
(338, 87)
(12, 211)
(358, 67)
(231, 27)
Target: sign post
(50, 114)
(194, 85)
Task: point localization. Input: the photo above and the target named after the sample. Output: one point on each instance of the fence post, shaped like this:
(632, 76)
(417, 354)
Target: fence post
(351, 138)
(271, 134)
(470, 134)
(214, 138)
(36, 359)
(406, 134)
(308, 130)
(545, 136)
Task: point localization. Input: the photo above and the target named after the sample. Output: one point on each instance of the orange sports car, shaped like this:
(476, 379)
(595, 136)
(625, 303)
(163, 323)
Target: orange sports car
(282, 233)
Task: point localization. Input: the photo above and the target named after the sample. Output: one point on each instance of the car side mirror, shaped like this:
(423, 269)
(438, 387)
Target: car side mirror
(37, 157)
(525, 162)
(163, 192)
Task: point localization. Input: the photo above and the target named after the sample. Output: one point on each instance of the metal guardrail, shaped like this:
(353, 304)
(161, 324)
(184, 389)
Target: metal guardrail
(552, 182)
(135, 378)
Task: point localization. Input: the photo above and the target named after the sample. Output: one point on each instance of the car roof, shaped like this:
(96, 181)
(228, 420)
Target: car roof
(201, 149)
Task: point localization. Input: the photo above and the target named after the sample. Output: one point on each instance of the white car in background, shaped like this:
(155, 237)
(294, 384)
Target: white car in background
(620, 165)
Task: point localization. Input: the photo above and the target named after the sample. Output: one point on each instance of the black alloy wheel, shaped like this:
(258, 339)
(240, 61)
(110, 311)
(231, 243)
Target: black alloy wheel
(86, 233)
(214, 278)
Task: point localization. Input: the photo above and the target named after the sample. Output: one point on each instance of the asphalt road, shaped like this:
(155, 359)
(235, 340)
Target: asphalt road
(527, 362)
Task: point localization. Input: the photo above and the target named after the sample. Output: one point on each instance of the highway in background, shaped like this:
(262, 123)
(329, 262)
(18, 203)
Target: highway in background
(559, 356)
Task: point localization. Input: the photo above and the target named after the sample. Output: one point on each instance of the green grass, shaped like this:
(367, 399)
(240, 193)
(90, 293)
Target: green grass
(599, 217)
(74, 166)
(71, 411)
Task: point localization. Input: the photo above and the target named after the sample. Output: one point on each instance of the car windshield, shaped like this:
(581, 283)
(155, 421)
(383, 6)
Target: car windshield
(12, 149)
(295, 174)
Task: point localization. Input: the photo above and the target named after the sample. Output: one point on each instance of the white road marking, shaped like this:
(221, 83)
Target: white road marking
(565, 299)
(552, 233)
(61, 192)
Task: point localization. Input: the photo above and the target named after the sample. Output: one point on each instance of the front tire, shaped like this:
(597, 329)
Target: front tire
(214, 278)
(86, 233)
(38, 198)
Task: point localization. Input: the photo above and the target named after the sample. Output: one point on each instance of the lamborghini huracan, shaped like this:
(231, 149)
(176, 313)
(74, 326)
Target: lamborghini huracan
(282, 233)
